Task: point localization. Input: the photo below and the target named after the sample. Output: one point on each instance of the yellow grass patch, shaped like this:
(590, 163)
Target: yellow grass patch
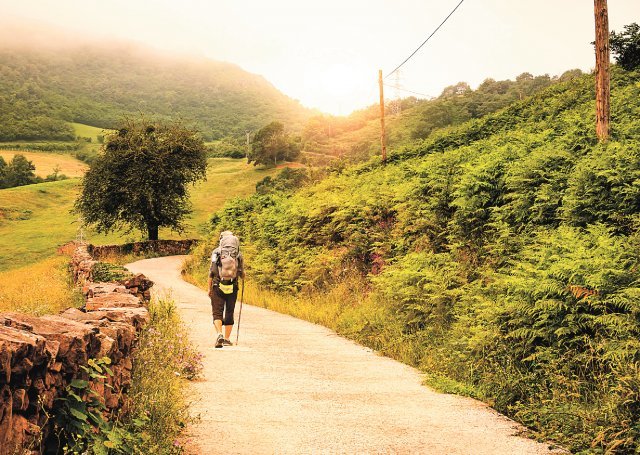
(41, 288)
(45, 163)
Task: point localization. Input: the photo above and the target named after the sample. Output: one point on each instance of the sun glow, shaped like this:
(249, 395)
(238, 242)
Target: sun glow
(326, 54)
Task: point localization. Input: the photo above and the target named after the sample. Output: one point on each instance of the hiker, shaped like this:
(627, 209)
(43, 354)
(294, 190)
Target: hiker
(226, 267)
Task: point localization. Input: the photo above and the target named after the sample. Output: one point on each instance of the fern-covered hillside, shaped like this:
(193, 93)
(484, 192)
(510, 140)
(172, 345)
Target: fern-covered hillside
(42, 90)
(500, 256)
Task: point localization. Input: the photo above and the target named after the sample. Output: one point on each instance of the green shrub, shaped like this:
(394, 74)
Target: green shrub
(105, 272)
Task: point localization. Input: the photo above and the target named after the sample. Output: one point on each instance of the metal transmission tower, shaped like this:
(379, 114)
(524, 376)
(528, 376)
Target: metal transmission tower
(383, 138)
(397, 108)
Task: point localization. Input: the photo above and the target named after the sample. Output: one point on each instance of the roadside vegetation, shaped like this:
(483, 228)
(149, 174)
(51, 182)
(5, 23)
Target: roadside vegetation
(500, 256)
(41, 288)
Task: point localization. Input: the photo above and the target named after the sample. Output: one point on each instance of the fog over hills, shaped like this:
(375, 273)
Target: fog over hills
(48, 77)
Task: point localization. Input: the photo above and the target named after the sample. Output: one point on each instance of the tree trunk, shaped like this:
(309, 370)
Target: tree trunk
(152, 232)
(602, 69)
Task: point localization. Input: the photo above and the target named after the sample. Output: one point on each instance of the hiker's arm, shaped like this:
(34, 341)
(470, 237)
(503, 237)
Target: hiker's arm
(240, 266)
(213, 269)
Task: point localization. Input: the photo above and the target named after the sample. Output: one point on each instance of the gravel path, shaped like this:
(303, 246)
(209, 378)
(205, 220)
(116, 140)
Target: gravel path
(292, 387)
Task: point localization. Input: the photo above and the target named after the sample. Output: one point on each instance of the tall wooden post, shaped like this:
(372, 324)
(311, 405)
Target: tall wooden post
(383, 139)
(602, 70)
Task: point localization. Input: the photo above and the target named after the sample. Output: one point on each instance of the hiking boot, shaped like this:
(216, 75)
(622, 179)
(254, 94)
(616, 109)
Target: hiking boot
(219, 341)
(226, 342)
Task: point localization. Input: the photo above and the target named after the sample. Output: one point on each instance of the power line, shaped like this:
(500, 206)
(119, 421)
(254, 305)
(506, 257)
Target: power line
(409, 91)
(425, 41)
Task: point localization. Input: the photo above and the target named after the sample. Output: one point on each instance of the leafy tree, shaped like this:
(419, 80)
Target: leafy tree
(56, 175)
(141, 179)
(19, 172)
(272, 144)
(625, 46)
(3, 173)
(461, 88)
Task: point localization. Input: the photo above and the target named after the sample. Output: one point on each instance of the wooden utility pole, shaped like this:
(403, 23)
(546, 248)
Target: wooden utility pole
(602, 70)
(383, 139)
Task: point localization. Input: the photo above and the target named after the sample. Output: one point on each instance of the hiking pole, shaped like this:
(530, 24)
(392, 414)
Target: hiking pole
(240, 314)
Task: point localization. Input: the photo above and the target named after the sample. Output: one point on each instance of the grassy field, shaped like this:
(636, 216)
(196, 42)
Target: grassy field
(40, 288)
(226, 178)
(46, 162)
(36, 219)
(88, 131)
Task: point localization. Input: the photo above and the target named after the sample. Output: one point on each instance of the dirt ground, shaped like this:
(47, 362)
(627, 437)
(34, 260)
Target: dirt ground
(292, 387)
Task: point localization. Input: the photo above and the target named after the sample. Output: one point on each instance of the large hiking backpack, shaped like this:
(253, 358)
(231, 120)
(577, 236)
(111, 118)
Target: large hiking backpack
(229, 249)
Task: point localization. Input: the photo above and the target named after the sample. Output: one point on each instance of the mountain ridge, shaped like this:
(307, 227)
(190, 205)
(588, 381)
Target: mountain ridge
(40, 89)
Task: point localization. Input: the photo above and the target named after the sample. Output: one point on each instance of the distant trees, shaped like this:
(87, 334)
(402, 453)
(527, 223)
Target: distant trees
(625, 46)
(141, 181)
(272, 144)
(227, 148)
(18, 172)
(3, 172)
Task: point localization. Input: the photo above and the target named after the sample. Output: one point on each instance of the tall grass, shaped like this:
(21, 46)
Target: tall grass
(41, 288)
(162, 362)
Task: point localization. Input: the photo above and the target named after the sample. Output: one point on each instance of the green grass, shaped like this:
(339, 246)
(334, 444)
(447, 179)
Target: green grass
(88, 131)
(36, 219)
(226, 178)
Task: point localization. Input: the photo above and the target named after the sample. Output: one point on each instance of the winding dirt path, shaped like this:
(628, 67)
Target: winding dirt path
(291, 387)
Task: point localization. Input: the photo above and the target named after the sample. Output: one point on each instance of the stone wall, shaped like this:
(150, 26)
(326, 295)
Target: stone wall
(40, 356)
(150, 247)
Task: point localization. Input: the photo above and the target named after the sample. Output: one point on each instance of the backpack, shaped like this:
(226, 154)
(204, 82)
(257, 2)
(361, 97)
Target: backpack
(227, 260)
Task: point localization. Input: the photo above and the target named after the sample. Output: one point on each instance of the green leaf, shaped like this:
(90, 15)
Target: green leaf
(79, 384)
(78, 415)
(76, 397)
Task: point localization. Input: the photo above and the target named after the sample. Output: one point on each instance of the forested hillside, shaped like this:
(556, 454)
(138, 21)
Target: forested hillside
(42, 90)
(358, 134)
(500, 256)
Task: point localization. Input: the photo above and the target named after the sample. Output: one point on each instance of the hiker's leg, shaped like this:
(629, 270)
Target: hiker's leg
(229, 308)
(217, 307)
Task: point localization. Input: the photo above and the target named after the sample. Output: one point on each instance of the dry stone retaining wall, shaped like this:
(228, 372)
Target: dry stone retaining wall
(154, 247)
(40, 356)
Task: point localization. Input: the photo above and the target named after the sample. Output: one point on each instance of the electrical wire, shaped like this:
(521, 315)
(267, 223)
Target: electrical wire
(425, 41)
(409, 91)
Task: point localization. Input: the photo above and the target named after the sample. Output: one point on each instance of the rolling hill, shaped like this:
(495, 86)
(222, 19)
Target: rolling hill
(43, 89)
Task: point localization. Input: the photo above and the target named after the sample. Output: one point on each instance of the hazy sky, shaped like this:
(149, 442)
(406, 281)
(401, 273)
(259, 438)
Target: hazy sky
(326, 53)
